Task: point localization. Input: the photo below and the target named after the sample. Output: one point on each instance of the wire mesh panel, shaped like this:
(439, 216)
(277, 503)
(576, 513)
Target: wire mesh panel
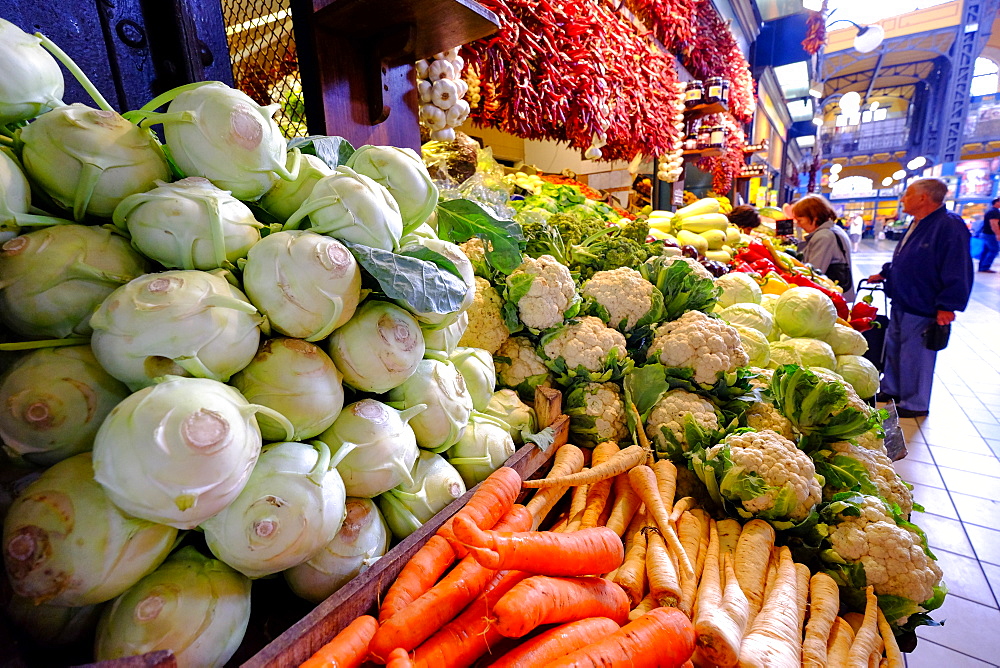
(262, 51)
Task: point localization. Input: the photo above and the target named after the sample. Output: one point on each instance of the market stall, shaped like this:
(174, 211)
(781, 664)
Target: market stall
(261, 393)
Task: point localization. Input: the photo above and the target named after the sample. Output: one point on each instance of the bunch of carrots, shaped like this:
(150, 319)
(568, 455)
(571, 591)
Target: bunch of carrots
(624, 576)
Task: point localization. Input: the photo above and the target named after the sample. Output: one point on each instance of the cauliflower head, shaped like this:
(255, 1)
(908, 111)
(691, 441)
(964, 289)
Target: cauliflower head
(543, 291)
(893, 556)
(585, 345)
(767, 475)
(696, 267)
(872, 440)
(486, 327)
(596, 413)
(519, 367)
(880, 472)
(665, 426)
(761, 379)
(761, 416)
(623, 298)
(708, 346)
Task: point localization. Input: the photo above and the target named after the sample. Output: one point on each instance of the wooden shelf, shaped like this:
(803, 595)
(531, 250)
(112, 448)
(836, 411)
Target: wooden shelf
(703, 153)
(705, 110)
(356, 58)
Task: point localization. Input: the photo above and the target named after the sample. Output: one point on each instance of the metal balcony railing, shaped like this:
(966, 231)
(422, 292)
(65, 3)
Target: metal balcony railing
(888, 135)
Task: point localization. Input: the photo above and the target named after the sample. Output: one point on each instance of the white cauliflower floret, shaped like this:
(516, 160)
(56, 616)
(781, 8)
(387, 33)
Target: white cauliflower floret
(761, 416)
(870, 440)
(762, 381)
(474, 249)
(893, 556)
(890, 486)
(551, 294)
(585, 342)
(624, 294)
(670, 413)
(597, 413)
(486, 328)
(780, 465)
(524, 363)
(696, 267)
(709, 346)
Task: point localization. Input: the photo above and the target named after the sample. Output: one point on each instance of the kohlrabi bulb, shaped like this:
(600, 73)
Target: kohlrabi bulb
(89, 160)
(298, 380)
(290, 508)
(284, 197)
(362, 539)
(484, 447)
(53, 624)
(435, 484)
(351, 207)
(189, 224)
(307, 284)
(15, 194)
(220, 133)
(32, 82)
(446, 339)
(476, 367)
(196, 607)
(404, 175)
(178, 452)
(66, 543)
(519, 417)
(379, 348)
(52, 279)
(373, 446)
(52, 402)
(184, 323)
(438, 385)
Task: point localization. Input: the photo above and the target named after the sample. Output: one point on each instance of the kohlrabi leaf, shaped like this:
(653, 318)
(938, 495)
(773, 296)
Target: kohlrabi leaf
(334, 151)
(460, 219)
(425, 286)
(424, 253)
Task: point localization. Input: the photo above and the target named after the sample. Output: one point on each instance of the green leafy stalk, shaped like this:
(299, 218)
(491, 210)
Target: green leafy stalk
(75, 70)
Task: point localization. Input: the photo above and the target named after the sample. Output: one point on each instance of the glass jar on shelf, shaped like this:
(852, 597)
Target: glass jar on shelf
(694, 94)
(717, 137)
(713, 90)
(704, 137)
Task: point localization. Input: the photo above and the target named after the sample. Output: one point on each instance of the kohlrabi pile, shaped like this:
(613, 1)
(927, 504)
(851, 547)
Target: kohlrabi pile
(226, 333)
(756, 398)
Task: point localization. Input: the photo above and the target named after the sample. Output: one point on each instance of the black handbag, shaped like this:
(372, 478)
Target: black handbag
(936, 336)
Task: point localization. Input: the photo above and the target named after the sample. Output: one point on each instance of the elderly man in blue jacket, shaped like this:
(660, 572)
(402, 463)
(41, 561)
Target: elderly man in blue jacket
(929, 278)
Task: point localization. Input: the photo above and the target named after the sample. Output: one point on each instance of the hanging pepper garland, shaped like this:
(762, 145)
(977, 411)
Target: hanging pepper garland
(726, 167)
(577, 72)
(672, 22)
(716, 53)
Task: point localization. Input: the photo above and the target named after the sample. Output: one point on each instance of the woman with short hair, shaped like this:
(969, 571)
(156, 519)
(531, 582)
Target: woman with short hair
(826, 247)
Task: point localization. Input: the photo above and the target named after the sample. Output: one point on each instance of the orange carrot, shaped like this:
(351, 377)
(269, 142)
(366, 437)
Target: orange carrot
(547, 600)
(621, 462)
(398, 658)
(585, 552)
(645, 484)
(662, 638)
(556, 642)
(418, 621)
(489, 503)
(348, 648)
(597, 495)
(424, 568)
(460, 642)
(625, 505)
(568, 459)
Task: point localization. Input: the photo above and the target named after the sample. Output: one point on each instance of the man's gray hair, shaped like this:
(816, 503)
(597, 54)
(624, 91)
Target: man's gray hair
(936, 189)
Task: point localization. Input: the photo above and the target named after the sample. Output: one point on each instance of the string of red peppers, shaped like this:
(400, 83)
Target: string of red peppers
(726, 167)
(572, 71)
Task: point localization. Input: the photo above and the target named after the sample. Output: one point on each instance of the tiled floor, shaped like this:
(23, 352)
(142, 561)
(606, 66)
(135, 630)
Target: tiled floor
(953, 462)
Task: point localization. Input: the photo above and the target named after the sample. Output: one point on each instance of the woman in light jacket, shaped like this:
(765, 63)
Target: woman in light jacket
(826, 247)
